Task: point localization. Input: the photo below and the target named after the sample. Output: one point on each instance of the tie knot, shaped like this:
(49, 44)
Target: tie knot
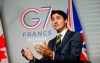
(59, 36)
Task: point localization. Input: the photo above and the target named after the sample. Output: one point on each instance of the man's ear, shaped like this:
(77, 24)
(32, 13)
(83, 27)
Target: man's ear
(66, 21)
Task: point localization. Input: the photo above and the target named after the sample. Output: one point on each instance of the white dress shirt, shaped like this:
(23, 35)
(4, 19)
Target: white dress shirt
(63, 34)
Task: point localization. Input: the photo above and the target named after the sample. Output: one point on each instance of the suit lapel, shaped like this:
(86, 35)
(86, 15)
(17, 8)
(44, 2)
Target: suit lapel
(65, 39)
(54, 44)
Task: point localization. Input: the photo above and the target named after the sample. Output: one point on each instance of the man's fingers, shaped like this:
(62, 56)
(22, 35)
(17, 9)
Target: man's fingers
(38, 47)
(23, 52)
(28, 50)
(45, 45)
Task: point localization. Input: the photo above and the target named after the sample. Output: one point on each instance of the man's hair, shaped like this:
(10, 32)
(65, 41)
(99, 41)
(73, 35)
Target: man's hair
(63, 14)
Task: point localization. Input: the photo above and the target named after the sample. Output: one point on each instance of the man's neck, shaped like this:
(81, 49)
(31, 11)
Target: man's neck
(61, 30)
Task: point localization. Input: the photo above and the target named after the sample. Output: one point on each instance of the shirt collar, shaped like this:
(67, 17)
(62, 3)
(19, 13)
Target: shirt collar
(63, 32)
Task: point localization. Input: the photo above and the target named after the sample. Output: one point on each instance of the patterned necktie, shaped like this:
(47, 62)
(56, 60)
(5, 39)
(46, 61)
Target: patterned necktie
(58, 41)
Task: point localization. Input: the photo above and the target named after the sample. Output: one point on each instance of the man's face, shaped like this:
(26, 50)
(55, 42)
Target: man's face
(58, 22)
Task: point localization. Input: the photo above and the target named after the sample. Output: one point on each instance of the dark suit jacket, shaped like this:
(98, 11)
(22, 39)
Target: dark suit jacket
(67, 52)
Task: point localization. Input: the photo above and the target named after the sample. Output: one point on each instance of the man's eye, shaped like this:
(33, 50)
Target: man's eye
(58, 18)
(52, 19)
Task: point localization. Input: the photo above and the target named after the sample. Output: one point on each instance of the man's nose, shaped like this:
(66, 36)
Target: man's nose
(55, 21)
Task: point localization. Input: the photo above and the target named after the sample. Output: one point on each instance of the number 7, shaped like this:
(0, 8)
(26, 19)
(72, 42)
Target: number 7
(48, 16)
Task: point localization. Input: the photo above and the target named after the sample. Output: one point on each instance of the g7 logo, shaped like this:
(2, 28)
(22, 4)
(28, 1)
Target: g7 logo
(37, 21)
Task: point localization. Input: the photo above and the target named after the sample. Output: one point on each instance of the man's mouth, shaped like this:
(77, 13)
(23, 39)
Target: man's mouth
(56, 25)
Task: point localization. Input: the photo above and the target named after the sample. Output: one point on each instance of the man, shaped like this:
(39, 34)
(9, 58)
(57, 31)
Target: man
(64, 48)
